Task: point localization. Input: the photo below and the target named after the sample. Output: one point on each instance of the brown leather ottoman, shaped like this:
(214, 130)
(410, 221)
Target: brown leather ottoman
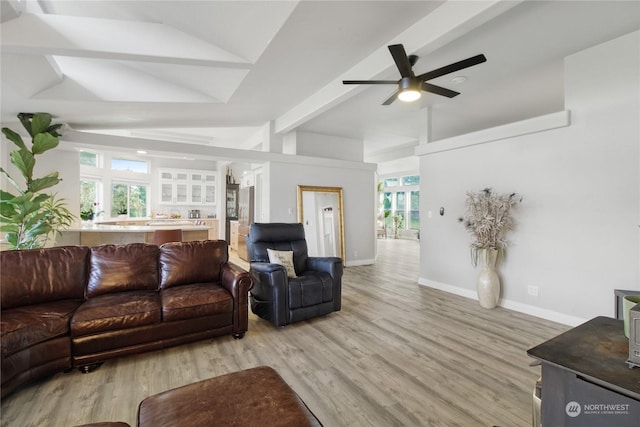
(106, 424)
(253, 397)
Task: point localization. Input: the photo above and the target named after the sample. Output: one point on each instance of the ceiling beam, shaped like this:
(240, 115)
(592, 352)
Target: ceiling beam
(89, 140)
(111, 39)
(446, 23)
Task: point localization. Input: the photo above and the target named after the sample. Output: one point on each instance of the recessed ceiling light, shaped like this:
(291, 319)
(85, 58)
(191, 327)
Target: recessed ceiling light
(458, 80)
(141, 152)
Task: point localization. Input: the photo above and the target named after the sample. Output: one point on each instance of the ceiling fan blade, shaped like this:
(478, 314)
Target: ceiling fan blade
(402, 61)
(370, 82)
(451, 68)
(391, 98)
(428, 87)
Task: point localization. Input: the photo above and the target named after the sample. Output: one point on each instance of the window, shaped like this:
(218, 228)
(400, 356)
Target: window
(129, 199)
(401, 196)
(390, 182)
(138, 166)
(88, 194)
(400, 207)
(88, 159)
(411, 180)
(386, 203)
(414, 211)
(90, 198)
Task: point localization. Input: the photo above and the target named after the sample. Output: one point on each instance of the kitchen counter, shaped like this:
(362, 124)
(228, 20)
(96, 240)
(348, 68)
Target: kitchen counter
(107, 228)
(99, 234)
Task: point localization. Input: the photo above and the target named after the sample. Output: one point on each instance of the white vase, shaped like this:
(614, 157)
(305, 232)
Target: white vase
(488, 280)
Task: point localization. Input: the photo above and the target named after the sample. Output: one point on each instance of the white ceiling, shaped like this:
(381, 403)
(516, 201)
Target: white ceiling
(215, 72)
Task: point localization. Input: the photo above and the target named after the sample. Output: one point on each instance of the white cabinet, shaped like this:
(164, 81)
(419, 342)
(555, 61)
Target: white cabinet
(202, 186)
(187, 188)
(173, 186)
(173, 193)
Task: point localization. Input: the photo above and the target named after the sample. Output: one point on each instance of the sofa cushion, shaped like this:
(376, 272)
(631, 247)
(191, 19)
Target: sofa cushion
(118, 268)
(35, 276)
(310, 289)
(116, 311)
(196, 300)
(192, 262)
(23, 327)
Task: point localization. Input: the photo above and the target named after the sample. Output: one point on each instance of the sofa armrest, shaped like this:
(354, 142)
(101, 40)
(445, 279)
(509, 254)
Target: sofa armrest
(238, 282)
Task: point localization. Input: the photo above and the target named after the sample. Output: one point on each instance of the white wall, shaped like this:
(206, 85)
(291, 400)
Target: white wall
(577, 237)
(328, 146)
(359, 201)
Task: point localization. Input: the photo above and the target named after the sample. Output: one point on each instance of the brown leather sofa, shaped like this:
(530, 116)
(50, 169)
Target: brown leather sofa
(76, 306)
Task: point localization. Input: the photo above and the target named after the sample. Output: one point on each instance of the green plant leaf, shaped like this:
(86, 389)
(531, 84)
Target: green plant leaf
(37, 230)
(53, 129)
(40, 184)
(25, 119)
(41, 198)
(43, 142)
(40, 123)
(7, 211)
(21, 199)
(4, 196)
(9, 228)
(11, 180)
(24, 161)
(15, 138)
(12, 238)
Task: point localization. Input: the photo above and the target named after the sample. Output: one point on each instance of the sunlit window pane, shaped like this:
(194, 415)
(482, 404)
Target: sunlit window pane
(88, 159)
(139, 166)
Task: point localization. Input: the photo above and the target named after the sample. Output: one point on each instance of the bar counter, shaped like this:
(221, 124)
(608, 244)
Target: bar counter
(100, 234)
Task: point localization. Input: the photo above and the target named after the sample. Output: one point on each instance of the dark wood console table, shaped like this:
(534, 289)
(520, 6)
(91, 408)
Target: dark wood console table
(585, 378)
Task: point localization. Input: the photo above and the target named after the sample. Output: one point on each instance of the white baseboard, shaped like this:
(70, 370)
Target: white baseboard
(542, 313)
(357, 262)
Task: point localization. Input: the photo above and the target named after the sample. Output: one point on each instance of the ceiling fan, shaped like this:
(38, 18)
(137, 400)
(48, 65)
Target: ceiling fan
(410, 85)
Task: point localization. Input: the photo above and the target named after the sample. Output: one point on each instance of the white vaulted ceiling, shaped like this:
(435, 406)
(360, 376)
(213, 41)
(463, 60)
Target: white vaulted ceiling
(215, 72)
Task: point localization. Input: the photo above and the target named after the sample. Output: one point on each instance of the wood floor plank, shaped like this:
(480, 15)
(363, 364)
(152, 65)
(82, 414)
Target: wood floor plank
(398, 354)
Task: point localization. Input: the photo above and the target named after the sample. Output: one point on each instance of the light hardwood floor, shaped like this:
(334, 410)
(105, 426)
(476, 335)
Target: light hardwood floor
(398, 354)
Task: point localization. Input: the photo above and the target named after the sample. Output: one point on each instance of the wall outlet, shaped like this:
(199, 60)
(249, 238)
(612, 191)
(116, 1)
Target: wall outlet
(355, 253)
(532, 290)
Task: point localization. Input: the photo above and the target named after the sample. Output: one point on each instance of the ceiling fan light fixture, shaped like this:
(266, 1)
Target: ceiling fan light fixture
(409, 95)
(409, 89)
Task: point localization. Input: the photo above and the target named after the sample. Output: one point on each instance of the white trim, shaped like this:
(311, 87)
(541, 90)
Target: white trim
(523, 127)
(551, 315)
(354, 263)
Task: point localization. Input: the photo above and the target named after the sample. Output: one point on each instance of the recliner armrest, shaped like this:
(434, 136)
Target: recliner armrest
(266, 268)
(331, 265)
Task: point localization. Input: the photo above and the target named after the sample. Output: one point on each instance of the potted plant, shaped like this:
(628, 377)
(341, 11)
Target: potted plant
(90, 213)
(122, 211)
(397, 222)
(31, 217)
(488, 217)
